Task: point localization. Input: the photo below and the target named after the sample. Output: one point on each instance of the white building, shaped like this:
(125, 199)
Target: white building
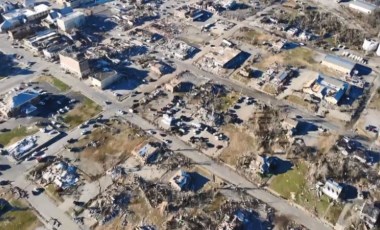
(370, 45)
(104, 79)
(71, 21)
(332, 189)
(362, 6)
(18, 17)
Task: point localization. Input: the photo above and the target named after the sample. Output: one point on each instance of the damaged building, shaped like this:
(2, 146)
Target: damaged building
(74, 62)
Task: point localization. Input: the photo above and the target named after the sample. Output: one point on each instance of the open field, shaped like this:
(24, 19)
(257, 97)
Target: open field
(293, 185)
(19, 217)
(113, 143)
(240, 143)
(295, 57)
(62, 87)
(297, 100)
(251, 36)
(16, 134)
(82, 112)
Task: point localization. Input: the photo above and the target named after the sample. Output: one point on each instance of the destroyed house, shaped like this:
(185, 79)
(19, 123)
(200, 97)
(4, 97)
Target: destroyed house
(369, 214)
(22, 148)
(283, 77)
(19, 103)
(181, 180)
(145, 152)
(361, 155)
(74, 62)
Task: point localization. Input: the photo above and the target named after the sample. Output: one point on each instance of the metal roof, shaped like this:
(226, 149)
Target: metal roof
(23, 97)
(340, 62)
(364, 5)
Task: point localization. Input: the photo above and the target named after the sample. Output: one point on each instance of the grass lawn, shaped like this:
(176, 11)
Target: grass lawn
(270, 89)
(51, 192)
(20, 217)
(242, 79)
(333, 213)
(227, 101)
(82, 112)
(55, 82)
(15, 135)
(297, 100)
(299, 57)
(295, 182)
(252, 36)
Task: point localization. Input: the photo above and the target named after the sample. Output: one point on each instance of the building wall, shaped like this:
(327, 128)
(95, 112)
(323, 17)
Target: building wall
(106, 82)
(360, 9)
(336, 67)
(69, 23)
(73, 3)
(79, 68)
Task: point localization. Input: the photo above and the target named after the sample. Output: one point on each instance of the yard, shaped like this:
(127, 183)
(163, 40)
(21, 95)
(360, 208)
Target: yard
(114, 143)
(16, 134)
(19, 217)
(270, 89)
(240, 143)
(251, 36)
(297, 100)
(143, 212)
(296, 57)
(51, 191)
(62, 87)
(293, 185)
(333, 213)
(227, 101)
(82, 112)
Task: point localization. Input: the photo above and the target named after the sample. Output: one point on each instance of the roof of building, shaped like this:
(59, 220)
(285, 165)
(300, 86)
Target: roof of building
(223, 55)
(340, 62)
(22, 97)
(328, 85)
(363, 4)
(72, 15)
(102, 75)
(146, 150)
(73, 53)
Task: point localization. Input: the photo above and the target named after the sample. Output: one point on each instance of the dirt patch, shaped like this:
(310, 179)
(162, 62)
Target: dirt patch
(110, 144)
(251, 36)
(240, 143)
